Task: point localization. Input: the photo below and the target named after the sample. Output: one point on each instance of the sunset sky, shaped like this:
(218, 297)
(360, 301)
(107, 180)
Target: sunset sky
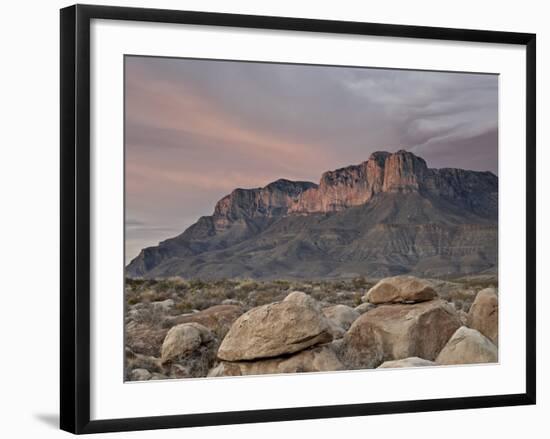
(197, 129)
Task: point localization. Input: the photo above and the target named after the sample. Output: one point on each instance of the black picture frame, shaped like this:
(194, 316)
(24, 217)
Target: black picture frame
(75, 217)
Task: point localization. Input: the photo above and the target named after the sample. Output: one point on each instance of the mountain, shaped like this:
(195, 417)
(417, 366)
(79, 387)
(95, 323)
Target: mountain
(388, 215)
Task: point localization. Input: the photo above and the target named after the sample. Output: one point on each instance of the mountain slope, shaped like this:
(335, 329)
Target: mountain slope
(389, 215)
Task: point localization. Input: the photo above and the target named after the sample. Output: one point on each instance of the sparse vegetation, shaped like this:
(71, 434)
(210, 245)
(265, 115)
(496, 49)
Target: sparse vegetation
(155, 306)
(198, 294)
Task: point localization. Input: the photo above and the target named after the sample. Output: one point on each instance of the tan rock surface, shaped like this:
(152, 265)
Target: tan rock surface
(183, 339)
(364, 307)
(407, 362)
(468, 346)
(394, 332)
(483, 314)
(316, 359)
(275, 329)
(400, 289)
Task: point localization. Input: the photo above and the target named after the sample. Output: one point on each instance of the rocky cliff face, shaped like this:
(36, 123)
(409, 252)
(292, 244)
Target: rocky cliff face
(275, 199)
(409, 212)
(401, 172)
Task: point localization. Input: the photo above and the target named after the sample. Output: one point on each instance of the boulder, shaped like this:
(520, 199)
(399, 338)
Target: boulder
(132, 314)
(144, 338)
(183, 339)
(140, 375)
(364, 307)
(188, 351)
(163, 305)
(218, 318)
(407, 362)
(483, 314)
(400, 289)
(341, 315)
(316, 359)
(468, 346)
(304, 299)
(276, 329)
(395, 332)
(301, 298)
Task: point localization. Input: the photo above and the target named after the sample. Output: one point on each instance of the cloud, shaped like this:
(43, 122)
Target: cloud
(160, 114)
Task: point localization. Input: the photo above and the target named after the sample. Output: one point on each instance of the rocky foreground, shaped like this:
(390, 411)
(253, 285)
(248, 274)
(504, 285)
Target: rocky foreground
(401, 321)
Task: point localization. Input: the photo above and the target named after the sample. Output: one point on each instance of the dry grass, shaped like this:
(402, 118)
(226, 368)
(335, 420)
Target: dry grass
(197, 294)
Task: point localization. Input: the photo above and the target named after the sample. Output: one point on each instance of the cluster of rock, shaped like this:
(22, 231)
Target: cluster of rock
(402, 323)
(184, 346)
(412, 326)
(289, 336)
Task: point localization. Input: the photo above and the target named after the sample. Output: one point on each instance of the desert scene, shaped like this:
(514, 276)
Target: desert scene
(385, 262)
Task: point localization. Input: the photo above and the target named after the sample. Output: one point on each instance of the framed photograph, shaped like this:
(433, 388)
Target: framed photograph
(268, 218)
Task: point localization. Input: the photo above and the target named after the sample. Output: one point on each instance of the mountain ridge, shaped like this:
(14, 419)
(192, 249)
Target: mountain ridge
(390, 214)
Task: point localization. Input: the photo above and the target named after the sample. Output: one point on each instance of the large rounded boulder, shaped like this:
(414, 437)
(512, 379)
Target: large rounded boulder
(468, 346)
(184, 339)
(395, 332)
(483, 314)
(400, 289)
(276, 329)
(188, 350)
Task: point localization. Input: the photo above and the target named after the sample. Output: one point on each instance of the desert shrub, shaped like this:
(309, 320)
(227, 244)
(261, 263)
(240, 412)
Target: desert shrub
(171, 284)
(153, 296)
(459, 304)
(225, 283)
(247, 285)
(360, 283)
(319, 295)
(198, 294)
(153, 316)
(239, 295)
(339, 285)
(197, 284)
(134, 283)
(265, 295)
(281, 283)
(184, 307)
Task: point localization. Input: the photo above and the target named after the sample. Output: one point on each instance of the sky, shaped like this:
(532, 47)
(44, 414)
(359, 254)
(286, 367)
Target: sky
(197, 129)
